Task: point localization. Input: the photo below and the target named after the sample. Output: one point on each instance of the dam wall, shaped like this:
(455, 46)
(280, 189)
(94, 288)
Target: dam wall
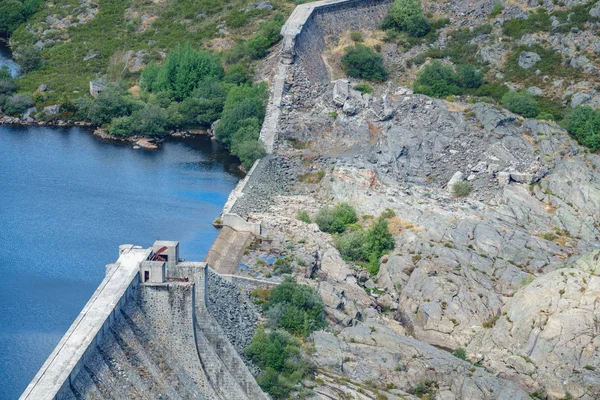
(152, 330)
(304, 35)
(93, 323)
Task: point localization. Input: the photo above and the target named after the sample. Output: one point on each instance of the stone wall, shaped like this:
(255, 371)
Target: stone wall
(304, 42)
(233, 310)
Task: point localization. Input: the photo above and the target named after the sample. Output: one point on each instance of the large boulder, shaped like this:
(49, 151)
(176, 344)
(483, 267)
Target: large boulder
(528, 59)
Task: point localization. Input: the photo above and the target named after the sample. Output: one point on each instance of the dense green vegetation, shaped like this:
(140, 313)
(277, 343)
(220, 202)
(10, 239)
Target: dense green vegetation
(439, 80)
(407, 16)
(365, 246)
(335, 219)
(291, 309)
(522, 103)
(279, 356)
(584, 124)
(296, 308)
(14, 12)
(362, 62)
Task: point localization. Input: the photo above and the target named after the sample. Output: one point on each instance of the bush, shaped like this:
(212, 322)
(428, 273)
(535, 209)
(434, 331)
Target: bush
(364, 88)
(11, 15)
(258, 46)
(469, 76)
(436, 80)
(182, 72)
(336, 219)
(303, 216)
(18, 104)
(7, 86)
(296, 308)
(362, 62)
(538, 21)
(522, 103)
(356, 36)
(406, 15)
(460, 353)
(583, 123)
(279, 357)
(29, 58)
(496, 10)
(461, 189)
(417, 26)
(350, 246)
(111, 103)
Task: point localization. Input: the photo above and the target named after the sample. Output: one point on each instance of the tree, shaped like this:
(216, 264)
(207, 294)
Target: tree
(437, 80)
(583, 123)
(522, 103)
(11, 16)
(296, 308)
(417, 26)
(336, 219)
(111, 103)
(30, 58)
(182, 72)
(18, 104)
(402, 11)
(469, 76)
(362, 62)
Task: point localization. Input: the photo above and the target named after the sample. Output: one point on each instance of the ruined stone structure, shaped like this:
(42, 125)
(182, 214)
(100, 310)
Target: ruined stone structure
(155, 328)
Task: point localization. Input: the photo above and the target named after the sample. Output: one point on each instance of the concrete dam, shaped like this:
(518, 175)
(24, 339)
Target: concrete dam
(155, 328)
(158, 327)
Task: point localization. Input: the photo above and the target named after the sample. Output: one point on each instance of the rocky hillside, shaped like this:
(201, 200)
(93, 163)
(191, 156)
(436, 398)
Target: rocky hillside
(488, 294)
(109, 40)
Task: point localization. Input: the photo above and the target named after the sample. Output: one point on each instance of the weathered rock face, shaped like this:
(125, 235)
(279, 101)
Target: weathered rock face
(372, 352)
(459, 264)
(549, 333)
(528, 59)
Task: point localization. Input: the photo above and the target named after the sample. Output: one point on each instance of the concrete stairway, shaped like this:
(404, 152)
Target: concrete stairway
(228, 249)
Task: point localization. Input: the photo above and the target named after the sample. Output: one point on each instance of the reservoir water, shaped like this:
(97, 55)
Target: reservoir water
(67, 201)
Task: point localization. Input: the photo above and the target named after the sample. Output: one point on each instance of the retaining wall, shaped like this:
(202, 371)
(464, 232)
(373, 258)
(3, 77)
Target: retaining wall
(304, 42)
(233, 220)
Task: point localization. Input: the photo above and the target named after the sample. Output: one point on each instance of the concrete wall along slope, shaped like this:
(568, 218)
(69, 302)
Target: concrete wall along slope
(304, 40)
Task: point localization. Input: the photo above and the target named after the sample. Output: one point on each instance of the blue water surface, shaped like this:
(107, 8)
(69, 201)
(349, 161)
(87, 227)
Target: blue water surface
(67, 201)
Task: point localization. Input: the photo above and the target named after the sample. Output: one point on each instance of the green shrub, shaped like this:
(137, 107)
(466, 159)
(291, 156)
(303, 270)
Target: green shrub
(303, 216)
(296, 308)
(182, 72)
(366, 246)
(111, 103)
(407, 15)
(436, 80)
(279, 357)
(545, 116)
(418, 26)
(18, 104)
(364, 88)
(362, 62)
(538, 21)
(5, 74)
(496, 10)
(469, 76)
(12, 14)
(461, 189)
(356, 36)
(460, 353)
(29, 58)
(583, 123)
(336, 219)
(350, 246)
(522, 103)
